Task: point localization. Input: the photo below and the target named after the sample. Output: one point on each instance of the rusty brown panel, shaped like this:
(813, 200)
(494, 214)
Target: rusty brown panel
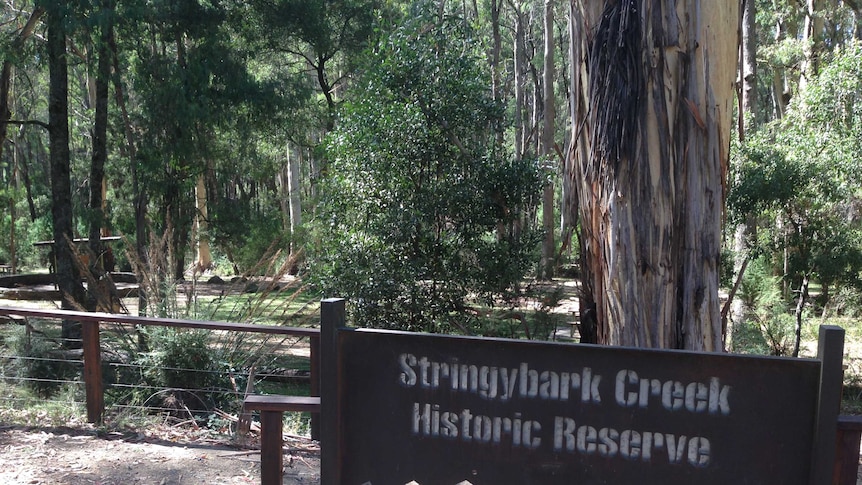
(724, 419)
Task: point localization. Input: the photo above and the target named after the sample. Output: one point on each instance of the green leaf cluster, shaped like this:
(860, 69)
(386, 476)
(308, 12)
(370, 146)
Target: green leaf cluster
(799, 178)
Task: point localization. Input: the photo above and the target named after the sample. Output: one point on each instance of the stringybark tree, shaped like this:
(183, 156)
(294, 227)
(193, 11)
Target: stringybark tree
(654, 87)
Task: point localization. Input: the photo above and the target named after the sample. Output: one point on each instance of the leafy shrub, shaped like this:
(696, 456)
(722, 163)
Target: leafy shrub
(40, 361)
(180, 358)
(767, 313)
(424, 210)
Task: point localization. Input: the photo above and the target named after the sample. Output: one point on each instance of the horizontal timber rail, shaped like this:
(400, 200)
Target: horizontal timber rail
(92, 350)
(161, 322)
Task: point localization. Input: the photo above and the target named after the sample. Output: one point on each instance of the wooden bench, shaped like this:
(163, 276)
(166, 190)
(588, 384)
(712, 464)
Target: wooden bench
(272, 409)
(5, 269)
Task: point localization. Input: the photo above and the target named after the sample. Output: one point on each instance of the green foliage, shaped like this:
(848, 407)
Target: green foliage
(763, 180)
(40, 361)
(246, 234)
(417, 187)
(180, 359)
(769, 328)
(799, 177)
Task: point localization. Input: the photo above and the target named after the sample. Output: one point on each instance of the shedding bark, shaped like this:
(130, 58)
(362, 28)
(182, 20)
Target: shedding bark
(653, 99)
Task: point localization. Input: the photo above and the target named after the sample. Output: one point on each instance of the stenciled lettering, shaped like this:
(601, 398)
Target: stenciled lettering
(431, 421)
(631, 390)
(629, 444)
(499, 383)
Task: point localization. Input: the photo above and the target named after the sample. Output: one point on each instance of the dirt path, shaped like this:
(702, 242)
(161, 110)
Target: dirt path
(68, 456)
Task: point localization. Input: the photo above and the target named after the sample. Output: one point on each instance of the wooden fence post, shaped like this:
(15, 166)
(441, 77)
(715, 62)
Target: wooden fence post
(93, 371)
(830, 352)
(332, 317)
(315, 383)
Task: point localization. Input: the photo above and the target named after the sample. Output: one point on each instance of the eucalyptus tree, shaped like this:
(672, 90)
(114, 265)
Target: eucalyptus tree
(200, 110)
(67, 275)
(317, 41)
(653, 93)
(418, 184)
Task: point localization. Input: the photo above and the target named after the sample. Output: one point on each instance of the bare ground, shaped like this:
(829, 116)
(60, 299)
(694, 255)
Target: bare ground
(81, 456)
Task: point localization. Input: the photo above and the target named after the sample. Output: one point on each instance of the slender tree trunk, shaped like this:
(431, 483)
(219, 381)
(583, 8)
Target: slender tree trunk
(28, 185)
(748, 66)
(800, 306)
(568, 221)
(658, 86)
(519, 71)
(856, 5)
(746, 231)
(140, 199)
(294, 194)
(67, 276)
(780, 83)
(100, 152)
(13, 213)
(496, 46)
(284, 193)
(204, 258)
(812, 38)
(6, 72)
(547, 146)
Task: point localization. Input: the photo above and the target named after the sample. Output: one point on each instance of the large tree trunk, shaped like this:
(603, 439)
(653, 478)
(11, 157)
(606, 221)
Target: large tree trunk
(655, 92)
(67, 276)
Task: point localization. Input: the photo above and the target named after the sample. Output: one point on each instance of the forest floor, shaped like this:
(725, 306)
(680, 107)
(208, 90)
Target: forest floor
(81, 455)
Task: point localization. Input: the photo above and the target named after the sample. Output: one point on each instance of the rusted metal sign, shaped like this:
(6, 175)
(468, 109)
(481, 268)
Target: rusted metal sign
(449, 410)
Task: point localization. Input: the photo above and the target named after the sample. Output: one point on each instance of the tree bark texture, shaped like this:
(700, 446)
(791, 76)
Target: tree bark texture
(654, 86)
(66, 272)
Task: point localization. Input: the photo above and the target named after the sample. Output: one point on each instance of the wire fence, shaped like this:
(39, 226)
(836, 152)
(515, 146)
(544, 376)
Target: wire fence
(183, 375)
